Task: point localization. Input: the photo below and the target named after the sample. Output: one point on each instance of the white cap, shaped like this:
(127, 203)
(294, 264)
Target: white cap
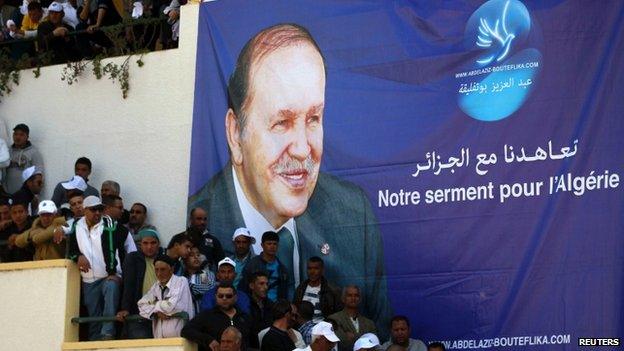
(29, 172)
(325, 329)
(243, 232)
(91, 201)
(76, 182)
(55, 6)
(366, 341)
(47, 206)
(226, 260)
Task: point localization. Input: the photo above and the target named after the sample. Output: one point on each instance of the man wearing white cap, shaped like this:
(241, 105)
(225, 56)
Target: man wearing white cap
(53, 35)
(98, 247)
(368, 341)
(82, 171)
(72, 188)
(28, 194)
(42, 232)
(323, 338)
(242, 241)
(226, 272)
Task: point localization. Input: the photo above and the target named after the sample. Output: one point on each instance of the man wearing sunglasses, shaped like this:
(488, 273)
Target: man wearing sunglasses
(208, 326)
(98, 245)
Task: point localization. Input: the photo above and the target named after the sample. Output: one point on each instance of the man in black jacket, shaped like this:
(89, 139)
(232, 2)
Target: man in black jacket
(278, 337)
(99, 247)
(20, 223)
(53, 35)
(316, 289)
(138, 277)
(31, 189)
(207, 243)
(259, 306)
(206, 328)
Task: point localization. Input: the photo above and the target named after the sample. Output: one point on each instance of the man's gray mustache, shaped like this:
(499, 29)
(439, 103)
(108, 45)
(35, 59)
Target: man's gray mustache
(289, 164)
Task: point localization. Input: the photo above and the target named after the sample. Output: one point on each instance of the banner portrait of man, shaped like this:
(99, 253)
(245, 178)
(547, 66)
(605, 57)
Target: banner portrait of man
(272, 182)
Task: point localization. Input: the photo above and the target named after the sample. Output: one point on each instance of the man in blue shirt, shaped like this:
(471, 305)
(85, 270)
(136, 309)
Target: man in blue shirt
(242, 240)
(268, 262)
(225, 274)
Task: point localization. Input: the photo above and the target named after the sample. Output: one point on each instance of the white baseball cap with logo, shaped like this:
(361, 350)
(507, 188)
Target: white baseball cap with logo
(55, 7)
(76, 182)
(243, 232)
(29, 172)
(91, 201)
(226, 260)
(366, 341)
(325, 329)
(47, 206)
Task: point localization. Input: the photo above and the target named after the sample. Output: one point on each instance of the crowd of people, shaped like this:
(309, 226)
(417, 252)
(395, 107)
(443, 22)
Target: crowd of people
(52, 24)
(189, 287)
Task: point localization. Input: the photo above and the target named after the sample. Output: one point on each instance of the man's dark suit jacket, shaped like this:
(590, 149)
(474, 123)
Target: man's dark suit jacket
(343, 325)
(338, 216)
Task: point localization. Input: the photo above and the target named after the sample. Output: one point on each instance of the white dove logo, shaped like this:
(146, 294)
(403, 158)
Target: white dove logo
(500, 43)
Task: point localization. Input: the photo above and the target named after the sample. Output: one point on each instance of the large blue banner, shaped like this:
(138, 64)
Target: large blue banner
(460, 161)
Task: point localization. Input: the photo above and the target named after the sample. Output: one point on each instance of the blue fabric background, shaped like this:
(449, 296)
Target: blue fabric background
(543, 265)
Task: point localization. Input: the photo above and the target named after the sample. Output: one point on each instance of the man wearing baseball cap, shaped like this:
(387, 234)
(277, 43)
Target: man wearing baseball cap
(23, 155)
(98, 246)
(78, 182)
(323, 338)
(242, 241)
(53, 35)
(226, 272)
(32, 184)
(42, 232)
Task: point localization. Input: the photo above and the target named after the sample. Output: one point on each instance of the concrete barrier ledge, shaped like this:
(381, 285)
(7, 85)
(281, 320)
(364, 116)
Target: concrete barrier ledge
(15, 266)
(125, 344)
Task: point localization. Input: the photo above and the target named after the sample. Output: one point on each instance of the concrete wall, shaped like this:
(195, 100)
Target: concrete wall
(40, 298)
(142, 142)
(38, 301)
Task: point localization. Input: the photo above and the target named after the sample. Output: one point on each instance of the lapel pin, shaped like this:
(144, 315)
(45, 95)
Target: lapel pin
(325, 249)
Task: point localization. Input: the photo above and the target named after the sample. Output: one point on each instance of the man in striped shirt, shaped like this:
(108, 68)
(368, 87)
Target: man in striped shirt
(201, 280)
(316, 289)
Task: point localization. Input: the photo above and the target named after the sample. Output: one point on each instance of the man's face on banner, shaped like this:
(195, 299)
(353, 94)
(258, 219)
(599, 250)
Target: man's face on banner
(279, 151)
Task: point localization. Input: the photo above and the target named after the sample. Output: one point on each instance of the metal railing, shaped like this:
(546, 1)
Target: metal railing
(124, 37)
